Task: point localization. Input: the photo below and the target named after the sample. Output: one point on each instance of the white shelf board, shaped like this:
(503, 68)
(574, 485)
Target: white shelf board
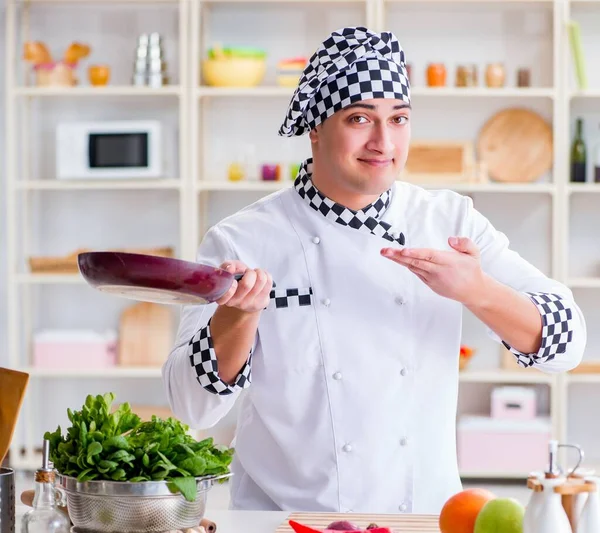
(109, 90)
(466, 474)
(100, 2)
(584, 283)
(546, 188)
(458, 92)
(40, 279)
(471, 1)
(246, 91)
(270, 186)
(584, 188)
(505, 376)
(243, 186)
(585, 93)
(283, 1)
(483, 92)
(94, 373)
(96, 184)
(583, 378)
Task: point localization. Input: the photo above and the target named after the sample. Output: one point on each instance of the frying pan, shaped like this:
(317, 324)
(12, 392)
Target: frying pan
(154, 279)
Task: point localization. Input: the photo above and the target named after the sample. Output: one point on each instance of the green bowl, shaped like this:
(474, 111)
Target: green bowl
(237, 52)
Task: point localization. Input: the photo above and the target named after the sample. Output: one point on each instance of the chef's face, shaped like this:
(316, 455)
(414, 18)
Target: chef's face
(362, 148)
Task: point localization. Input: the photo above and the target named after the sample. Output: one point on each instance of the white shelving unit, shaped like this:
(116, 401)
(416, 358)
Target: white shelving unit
(204, 113)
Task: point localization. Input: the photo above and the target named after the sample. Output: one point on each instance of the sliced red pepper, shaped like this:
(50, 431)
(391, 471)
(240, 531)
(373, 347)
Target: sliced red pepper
(301, 528)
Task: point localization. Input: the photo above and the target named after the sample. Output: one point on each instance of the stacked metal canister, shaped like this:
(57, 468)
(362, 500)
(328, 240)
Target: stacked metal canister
(150, 68)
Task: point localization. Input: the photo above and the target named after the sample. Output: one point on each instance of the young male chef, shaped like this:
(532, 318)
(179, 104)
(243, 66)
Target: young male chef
(349, 363)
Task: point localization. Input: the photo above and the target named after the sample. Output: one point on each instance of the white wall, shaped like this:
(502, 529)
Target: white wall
(64, 221)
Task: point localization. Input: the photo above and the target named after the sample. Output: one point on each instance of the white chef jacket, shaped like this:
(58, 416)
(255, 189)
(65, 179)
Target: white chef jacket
(353, 398)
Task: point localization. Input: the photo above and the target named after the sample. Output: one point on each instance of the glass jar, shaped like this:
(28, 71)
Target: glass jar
(466, 76)
(99, 74)
(495, 75)
(523, 77)
(436, 75)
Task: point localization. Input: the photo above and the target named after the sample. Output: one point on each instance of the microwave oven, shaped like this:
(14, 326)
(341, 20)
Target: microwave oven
(109, 149)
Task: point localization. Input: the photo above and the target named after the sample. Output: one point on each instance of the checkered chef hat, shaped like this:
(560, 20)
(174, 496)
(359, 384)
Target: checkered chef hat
(352, 64)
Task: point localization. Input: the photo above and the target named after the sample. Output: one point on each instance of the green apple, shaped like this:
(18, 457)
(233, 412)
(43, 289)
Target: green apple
(501, 515)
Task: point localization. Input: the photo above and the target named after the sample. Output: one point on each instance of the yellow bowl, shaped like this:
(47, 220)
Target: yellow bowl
(234, 72)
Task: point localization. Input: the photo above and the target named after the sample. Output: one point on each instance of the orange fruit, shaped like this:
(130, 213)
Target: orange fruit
(459, 513)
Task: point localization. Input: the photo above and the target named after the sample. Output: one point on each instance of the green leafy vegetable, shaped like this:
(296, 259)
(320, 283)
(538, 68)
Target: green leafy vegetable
(103, 444)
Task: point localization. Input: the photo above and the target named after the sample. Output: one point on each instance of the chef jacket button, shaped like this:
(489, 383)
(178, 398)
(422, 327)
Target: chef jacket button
(400, 300)
(337, 376)
(403, 507)
(326, 302)
(316, 240)
(403, 372)
(403, 441)
(347, 448)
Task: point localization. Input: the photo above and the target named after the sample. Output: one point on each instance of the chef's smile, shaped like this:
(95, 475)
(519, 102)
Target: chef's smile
(377, 163)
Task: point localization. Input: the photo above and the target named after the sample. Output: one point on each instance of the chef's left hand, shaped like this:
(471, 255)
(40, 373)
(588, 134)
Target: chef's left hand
(454, 274)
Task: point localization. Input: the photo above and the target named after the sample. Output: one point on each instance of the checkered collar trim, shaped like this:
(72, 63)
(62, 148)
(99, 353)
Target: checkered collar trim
(367, 220)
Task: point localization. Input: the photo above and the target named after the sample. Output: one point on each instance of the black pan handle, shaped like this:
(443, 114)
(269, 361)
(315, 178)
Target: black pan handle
(238, 277)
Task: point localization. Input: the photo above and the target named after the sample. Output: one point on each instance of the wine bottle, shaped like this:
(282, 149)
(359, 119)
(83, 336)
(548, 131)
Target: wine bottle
(578, 155)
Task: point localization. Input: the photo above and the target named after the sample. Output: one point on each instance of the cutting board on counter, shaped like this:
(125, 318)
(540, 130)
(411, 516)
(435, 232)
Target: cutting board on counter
(401, 523)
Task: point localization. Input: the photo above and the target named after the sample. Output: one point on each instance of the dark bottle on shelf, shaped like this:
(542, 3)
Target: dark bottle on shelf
(578, 155)
(597, 164)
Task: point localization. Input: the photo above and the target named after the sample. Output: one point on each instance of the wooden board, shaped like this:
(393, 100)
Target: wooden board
(145, 335)
(398, 523)
(13, 385)
(516, 146)
(439, 161)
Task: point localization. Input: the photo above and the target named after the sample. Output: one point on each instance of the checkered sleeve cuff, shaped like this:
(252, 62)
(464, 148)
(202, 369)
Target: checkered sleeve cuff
(557, 329)
(203, 359)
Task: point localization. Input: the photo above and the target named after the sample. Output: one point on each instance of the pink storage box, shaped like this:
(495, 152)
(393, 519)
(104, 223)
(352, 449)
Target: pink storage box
(515, 403)
(74, 349)
(503, 446)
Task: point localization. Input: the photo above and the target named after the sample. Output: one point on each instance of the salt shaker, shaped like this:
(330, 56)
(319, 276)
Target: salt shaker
(551, 517)
(589, 519)
(533, 506)
(45, 517)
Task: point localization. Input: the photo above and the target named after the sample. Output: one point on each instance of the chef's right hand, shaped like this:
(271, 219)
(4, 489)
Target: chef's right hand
(251, 294)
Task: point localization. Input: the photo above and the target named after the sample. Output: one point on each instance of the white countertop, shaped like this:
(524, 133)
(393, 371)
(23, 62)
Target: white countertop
(247, 521)
(227, 521)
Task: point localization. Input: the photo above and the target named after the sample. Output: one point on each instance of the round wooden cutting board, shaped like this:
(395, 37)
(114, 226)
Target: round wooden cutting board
(516, 146)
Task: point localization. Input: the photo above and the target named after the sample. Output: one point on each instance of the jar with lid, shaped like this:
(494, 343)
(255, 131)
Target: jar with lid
(495, 75)
(523, 77)
(436, 75)
(466, 76)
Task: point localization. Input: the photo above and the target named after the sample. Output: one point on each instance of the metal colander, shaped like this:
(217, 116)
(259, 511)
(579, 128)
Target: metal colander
(125, 507)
